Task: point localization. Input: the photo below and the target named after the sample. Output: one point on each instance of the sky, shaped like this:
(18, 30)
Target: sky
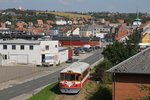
(122, 6)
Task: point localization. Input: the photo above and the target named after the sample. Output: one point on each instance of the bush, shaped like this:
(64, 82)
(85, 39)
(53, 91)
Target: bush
(104, 93)
(145, 98)
(100, 69)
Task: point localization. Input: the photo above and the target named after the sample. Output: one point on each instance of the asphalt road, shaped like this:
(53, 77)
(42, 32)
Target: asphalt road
(40, 82)
(93, 58)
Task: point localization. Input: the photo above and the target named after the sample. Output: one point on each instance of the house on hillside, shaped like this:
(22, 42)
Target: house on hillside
(94, 30)
(130, 75)
(61, 22)
(40, 22)
(146, 36)
(85, 31)
(144, 26)
(21, 25)
(122, 33)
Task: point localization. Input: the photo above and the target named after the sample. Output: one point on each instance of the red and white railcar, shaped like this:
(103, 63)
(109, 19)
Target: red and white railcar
(74, 77)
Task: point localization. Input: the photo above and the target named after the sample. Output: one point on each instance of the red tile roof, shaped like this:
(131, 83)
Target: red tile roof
(122, 32)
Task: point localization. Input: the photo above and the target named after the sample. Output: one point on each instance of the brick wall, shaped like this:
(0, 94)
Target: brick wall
(127, 86)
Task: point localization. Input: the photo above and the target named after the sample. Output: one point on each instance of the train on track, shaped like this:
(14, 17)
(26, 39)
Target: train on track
(74, 77)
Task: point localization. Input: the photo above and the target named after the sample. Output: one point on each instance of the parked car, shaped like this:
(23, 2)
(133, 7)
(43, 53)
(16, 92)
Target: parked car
(82, 51)
(76, 51)
(97, 47)
(71, 60)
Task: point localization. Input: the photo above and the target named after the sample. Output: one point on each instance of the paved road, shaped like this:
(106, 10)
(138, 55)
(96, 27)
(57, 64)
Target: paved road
(40, 82)
(93, 58)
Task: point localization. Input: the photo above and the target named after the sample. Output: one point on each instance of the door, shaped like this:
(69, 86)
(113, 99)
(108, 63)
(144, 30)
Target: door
(22, 59)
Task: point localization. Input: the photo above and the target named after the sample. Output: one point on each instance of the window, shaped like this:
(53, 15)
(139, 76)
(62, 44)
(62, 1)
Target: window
(78, 77)
(47, 47)
(5, 57)
(22, 47)
(13, 47)
(31, 47)
(85, 73)
(5, 47)
(69, 77)
(55, 46)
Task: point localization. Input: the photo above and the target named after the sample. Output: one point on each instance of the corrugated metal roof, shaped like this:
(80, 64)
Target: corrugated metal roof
(19, 41)
(76, 67)
(74, 38)
(92, 27)
(137, 64)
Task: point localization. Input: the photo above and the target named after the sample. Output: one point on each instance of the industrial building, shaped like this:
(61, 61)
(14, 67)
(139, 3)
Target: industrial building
(76, 41)
(35, 52)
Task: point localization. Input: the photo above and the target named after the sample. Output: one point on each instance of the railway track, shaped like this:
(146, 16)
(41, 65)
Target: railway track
(68, 96)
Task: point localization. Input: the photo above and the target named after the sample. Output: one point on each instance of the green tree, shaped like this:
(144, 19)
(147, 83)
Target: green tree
(116, 52)
(133, 43)
(100, 74)
(104, 93)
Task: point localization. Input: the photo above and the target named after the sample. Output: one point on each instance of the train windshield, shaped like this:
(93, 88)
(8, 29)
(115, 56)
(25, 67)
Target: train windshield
(70, 77)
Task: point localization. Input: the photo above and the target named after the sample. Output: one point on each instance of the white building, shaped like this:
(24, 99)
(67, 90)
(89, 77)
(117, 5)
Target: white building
(100, 35)
(13, 52)
(76, 31)
(61, 22)
(137, 22)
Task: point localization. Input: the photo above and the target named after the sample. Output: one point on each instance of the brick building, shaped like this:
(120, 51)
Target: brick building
(130, 75)
(77, 41)
(122, 33)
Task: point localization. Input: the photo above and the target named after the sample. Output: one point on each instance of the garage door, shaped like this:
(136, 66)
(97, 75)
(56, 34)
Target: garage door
(22, 59)
(13, 59)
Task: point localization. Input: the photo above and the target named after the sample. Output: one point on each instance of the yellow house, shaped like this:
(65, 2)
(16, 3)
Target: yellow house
(86, 33)
(146, 38)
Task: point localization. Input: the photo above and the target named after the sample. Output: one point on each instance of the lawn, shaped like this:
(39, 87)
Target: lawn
(48, 93)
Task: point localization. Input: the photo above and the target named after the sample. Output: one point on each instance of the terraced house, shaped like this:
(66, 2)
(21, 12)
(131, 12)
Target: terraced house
(130, 75)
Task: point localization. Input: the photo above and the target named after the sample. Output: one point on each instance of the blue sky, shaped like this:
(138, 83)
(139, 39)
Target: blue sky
(80, 5)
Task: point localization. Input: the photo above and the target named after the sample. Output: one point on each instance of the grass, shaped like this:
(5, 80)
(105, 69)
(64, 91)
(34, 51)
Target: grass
(48, 93)
(93, 70)
(89, 85)
(69, 15)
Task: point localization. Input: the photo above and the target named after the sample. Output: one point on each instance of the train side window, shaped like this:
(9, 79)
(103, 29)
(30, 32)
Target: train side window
(78, 77)
(85, 73)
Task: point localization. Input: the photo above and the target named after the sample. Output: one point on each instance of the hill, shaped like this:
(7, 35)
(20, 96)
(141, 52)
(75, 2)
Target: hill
(68, 15)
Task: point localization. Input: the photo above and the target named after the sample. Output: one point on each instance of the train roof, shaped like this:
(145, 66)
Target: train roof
(76, 67)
